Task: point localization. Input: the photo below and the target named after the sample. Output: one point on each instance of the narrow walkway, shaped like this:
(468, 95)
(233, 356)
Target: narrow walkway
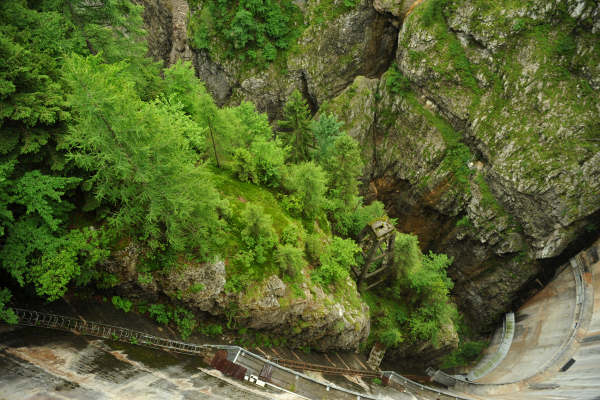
(240, 362)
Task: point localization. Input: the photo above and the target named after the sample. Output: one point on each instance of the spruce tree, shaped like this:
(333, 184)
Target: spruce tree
(295, 128)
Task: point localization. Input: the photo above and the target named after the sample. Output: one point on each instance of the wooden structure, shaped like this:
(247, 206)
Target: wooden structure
(377, 241)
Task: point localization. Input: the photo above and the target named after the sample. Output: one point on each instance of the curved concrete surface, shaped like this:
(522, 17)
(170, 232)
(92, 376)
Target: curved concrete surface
(555, 352)
(543, 325)
(502, 343)
(578, 375)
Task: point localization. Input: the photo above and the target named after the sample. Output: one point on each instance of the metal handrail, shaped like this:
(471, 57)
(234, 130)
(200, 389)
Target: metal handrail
(61, 322)
(106, 331)
(325, 368)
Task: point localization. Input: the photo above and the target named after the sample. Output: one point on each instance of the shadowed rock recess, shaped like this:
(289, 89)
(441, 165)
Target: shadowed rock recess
(478, 123)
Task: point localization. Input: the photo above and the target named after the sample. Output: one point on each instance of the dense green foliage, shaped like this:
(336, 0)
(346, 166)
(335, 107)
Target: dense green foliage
(466, 353)
(6, 314)
(415, 306)
(40, 187)
(137, 156)
(101, 149)
(256, 31)
(336, 260)
(121, 303)
(295, 129)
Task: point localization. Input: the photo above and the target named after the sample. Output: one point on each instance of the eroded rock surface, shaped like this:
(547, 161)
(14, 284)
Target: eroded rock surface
(310, 318)
(485, 142)
(516, 88)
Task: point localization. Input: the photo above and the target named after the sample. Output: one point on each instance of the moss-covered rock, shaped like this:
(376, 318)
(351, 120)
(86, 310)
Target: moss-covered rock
(484, 140)
(339, 41)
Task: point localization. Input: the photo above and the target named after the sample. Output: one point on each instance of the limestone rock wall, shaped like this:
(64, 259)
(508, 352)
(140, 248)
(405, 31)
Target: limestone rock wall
(313, 318)
(517, 87)
(487, 147)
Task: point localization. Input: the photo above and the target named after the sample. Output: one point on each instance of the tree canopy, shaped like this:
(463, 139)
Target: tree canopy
(101, 147)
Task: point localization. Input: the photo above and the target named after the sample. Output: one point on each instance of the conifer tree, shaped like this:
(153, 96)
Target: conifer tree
(344, 166)
(295, 128)
(139, 160)
(308, 183)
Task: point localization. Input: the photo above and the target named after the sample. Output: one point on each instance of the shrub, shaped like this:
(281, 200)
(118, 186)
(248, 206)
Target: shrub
(145, 278)
(258, 233)
(464, 222)
(466, 353)
(307, 182)
(314, 247)
(291, 234)
(336, 261)
(197, 287)
(396, 82)
(244, 165)
(159, 312)
(185, 322)
(121, 304)
(269, 159)
(212, 330)
(290, 259)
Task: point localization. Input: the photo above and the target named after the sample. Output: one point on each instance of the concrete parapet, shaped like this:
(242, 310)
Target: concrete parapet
(542, 335)
(487, 364)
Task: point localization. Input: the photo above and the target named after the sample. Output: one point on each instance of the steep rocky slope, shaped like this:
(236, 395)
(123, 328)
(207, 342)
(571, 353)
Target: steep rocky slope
(311, 318)
(483, 139)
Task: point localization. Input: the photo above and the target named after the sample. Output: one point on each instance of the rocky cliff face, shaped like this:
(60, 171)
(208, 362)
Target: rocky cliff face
(330, 54)
(309, 318)
(483, 139)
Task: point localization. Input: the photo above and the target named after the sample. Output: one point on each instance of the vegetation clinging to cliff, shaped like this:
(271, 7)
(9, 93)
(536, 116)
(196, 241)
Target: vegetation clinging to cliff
(102, 149)
(414, 307)
(257, 31)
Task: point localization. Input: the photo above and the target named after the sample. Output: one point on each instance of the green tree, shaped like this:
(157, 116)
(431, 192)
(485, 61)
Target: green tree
(258, 232)
(139, 160)
(113, 29)
(7, 314)
(269, 156)
(290, 259)
(37, 249)
(244, 165)
(336, 261)
(308, 183)
(182, 84)
(295, 127)
(415, 306)
(325, 130)
(344, 166)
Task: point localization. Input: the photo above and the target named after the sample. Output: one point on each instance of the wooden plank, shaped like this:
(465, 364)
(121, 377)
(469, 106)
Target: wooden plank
(370, 274)
(376, 283)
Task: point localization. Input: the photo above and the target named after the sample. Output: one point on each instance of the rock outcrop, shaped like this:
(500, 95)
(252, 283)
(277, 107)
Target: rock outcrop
(329, 56)
(311, 317)
(305, 316)
(485, 140)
